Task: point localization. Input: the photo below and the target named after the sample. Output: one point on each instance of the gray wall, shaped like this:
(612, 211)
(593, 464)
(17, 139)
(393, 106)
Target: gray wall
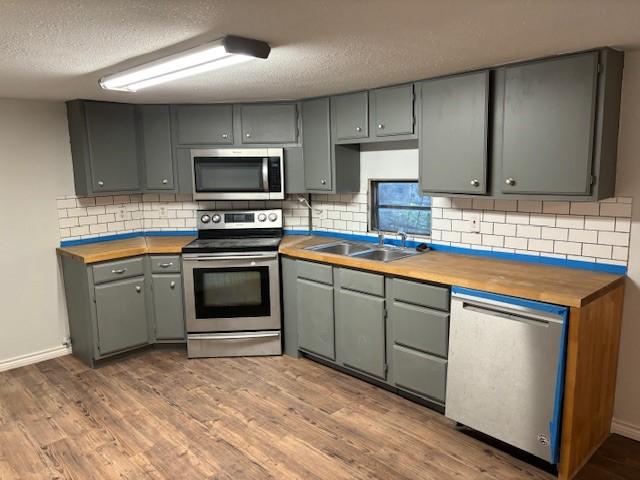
(35, 166)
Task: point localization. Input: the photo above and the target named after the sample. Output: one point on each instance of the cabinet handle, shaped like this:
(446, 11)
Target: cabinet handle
(172, 284)
(323, 182)
(138, 288)
(165, 181)
(248, 135)
(100, 183)
(380, 126)
(475, 182)
(225, 135)
(119, 271)
(166, 265)
(358, 129)
(510, 181)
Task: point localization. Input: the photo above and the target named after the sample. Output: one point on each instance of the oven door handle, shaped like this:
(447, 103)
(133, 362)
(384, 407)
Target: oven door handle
(235, 336)
(265, 174)
(210, 258)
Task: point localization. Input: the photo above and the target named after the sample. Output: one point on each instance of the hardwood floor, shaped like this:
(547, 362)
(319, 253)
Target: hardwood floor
(158, 415)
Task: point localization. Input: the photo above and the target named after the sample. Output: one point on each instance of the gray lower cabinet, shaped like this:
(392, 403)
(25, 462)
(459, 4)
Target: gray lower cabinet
(350, 115)
(121, 316)
(203, 124)
(119, 305)
(316, 330)
(360, 319)
(104, 147)
(156, 149)
(418, 326)
(454, 130)
(269, 123)
(168, 309)
(392, 111)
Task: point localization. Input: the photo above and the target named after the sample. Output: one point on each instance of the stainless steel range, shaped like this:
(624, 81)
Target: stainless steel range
(232, 284)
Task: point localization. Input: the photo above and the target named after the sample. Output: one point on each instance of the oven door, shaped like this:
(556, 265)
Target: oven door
(232, 292)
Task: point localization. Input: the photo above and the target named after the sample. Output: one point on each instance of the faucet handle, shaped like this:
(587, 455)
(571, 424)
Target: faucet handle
(403, 238)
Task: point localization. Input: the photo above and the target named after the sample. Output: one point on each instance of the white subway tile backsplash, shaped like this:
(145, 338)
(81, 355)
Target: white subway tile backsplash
(494, 216)
(516, 243)
(615, 209)
(570, 221)
(528, 231)
(620, 239)
(68, 222)
(541, 219)
(583, 236)
(600, 223)
(598, 251)
(493, 240)
(569, 248)
(505, 205)
(483, 203)
(506, 229)
(585, 208)
(518, 218)
(556, 208)
(623, 225)
(541, 245)
(66, 203)
(620, 253)
(552, 233)
(534, 206)
(450, 236)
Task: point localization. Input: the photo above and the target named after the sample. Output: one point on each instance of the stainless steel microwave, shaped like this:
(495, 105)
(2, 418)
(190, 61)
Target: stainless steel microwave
(238, 174)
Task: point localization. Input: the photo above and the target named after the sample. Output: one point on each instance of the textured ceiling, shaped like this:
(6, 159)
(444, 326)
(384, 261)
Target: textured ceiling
(58, 49)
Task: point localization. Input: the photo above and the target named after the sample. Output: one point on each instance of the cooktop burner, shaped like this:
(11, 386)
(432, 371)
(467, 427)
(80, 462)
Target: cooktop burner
(237, 231)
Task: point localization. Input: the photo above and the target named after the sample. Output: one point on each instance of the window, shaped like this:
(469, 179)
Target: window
(400, 206)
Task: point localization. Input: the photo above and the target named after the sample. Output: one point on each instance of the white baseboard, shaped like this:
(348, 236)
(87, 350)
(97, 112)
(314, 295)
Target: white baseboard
(34, 357)
(625, 429)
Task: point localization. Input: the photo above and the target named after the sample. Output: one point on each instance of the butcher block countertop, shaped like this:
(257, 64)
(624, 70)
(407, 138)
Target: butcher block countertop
(129, 247)
(563, 286)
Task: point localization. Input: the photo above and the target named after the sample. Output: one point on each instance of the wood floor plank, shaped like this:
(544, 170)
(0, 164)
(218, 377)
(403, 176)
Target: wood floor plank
(156, 415)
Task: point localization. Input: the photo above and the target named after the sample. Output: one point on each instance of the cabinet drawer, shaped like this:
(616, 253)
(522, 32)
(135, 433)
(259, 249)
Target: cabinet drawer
(420, 328)
(315, 271)
(421, 294)
(361, 281)
(419, 372)
(117, 270)
(165, 264)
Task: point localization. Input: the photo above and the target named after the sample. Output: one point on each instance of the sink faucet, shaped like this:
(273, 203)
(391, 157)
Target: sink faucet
(403, 239)
(380, 239)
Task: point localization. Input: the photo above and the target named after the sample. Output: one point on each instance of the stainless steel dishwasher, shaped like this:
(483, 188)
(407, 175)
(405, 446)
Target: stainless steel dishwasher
(506, 369)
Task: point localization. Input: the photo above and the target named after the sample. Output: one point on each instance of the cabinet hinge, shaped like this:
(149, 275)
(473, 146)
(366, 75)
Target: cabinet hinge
(592, 180)
(385, 313)
(598, 68)
(386, 369)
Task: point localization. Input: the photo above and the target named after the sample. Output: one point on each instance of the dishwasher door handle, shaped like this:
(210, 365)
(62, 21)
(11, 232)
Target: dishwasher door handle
(536, 322)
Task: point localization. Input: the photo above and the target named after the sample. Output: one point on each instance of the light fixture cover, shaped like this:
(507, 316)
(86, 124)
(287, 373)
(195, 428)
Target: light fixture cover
(225, 51)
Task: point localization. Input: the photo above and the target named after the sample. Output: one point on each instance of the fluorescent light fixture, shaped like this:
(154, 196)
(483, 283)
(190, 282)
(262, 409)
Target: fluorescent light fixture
(224, 52)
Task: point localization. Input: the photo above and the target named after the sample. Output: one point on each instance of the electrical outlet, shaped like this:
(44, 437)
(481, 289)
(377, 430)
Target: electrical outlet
(474, 222)
(121, 213)
(163, 212)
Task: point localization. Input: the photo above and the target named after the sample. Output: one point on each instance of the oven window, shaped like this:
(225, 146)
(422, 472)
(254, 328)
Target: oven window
(228, 174)
(231, 292)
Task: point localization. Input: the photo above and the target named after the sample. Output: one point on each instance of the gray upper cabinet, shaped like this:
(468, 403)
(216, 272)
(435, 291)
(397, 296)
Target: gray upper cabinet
(392, 111)
(316, 330)
(104, 147)
(203, 124)
(121, 315)
(168, 307)
(316, 144)
(548, 126)
(351, 115)
(269, 123)
(454, 134)
(155, 141)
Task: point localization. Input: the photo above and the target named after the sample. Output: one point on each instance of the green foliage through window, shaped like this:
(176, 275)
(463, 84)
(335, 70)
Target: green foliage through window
(400, 206)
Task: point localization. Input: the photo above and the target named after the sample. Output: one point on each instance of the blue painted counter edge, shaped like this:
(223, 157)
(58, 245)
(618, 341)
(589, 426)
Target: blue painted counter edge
(558, 262)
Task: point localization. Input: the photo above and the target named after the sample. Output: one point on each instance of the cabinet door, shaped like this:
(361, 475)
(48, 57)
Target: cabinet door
(155, 131)
(315, 318)
(360, 335)
(351, 115)
(393, 111)
(548, 125)
(121, 315)
(167, 305)
(113, 149)
(269, 123)
(316, 144)
(204, 124)
(453, 134)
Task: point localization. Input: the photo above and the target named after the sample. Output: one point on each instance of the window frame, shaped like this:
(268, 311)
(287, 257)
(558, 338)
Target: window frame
(374, 206)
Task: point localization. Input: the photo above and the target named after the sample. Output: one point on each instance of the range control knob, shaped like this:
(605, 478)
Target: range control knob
(205, 218)
(273, 217)
(216, 218)
(262, 217)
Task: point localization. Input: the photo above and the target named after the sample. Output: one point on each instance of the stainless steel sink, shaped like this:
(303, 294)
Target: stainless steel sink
(342, 248)
(386, 254)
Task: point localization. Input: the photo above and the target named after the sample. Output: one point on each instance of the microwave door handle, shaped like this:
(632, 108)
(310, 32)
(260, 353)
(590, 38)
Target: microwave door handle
(265, 174)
